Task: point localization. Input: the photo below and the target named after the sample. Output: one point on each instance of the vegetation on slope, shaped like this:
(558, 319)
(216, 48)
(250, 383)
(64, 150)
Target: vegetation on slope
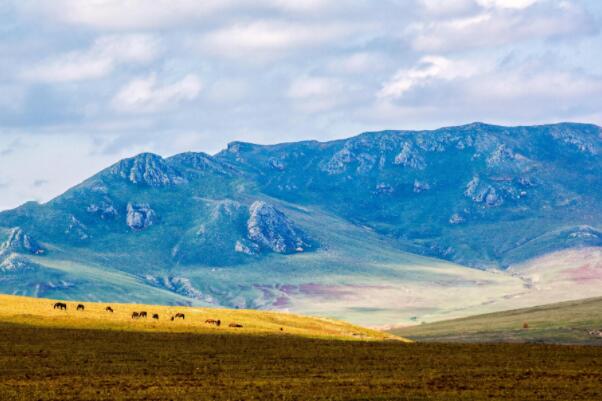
(574, 322)
(41, 313)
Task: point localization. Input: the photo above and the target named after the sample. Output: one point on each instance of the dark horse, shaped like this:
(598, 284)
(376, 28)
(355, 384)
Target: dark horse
(60, 305)
(135, 315)
(213, 321)
(156, 316)
(234, 325)
(142, 314)
(109, 309)
(80, 307)
(179, 316)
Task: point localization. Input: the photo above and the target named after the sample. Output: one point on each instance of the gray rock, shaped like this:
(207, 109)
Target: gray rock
(148, 169)
(408, 157)
(271, 229)
(139, 216)
(14, 263)
(384, 188)
(277, 164)
(103, 209)
(246, 247)
(76, 229)
(456, 218)
(420, 186)
(20, 242)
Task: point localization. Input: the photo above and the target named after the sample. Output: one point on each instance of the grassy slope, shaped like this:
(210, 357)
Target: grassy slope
(357, 276)
(566, 322)
(39, 312)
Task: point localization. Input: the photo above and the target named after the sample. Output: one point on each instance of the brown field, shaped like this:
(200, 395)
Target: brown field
(39, 363)
(46, 355)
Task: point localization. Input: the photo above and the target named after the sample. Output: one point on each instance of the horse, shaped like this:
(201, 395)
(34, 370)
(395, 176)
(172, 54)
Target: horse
(156, 316)
(60, 305)
(109, 309)
(142, 314)
(179, 316)
(135, 315)
(213, 321)
(80, 307)
(234, 325)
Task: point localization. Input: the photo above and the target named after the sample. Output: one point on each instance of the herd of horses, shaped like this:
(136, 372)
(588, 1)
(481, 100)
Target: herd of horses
(144, 315)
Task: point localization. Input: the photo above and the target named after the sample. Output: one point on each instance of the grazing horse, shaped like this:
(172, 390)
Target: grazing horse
(234, 325)
(156, 316)
(109, 309)
(213, 321)
(60, 305)
(179, 316)
(142, 314)
(80, 307)
(135, 315)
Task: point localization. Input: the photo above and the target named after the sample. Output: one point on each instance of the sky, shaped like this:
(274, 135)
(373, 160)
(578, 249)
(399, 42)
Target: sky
(86, 83)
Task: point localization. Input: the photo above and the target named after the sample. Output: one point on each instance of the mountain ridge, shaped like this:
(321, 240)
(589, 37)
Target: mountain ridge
(476, 195)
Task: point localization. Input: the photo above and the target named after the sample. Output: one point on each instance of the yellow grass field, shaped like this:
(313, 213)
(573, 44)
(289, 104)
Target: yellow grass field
(40, 312)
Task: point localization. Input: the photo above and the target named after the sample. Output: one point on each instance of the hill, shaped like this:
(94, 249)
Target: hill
(574, 322)
(39, 312)
(319, 228)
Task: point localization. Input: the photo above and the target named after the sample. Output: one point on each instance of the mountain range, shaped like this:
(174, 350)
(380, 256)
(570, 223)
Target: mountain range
(383, 227)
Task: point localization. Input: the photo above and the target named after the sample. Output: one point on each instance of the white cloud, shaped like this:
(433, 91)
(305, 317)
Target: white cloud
(427, 70)
(106, 53)
(144, 14)
(500, 22)
(313, 94)
(125, 15)
(517, 4)
(267, 38)
(524, 91)
(146, 95)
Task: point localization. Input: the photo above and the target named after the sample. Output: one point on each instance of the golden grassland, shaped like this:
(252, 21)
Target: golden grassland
(40, 312)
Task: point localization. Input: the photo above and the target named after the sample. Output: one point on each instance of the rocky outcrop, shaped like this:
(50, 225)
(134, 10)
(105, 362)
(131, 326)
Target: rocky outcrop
(76, 229)
(20, 242)
(103, 209)
(483, 193)
(201, 162)
(14, 263)
(246, 247)
(148, 169)
(139, 216)
(456, 218)
(408, 157)
(269, 228)
(420, 186)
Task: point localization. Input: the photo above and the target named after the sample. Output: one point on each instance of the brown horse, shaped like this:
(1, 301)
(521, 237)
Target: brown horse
(156, 316)
(109, 309)
(142, 314)
(135, 315)
(60, 305)
(234, 325)
(179, 316)
(80, 307)
(214, 321)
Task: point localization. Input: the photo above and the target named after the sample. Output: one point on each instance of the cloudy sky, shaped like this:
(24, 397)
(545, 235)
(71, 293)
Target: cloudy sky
(85, 83)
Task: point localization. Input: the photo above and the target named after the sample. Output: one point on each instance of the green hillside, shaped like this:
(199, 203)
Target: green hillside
(574, 322)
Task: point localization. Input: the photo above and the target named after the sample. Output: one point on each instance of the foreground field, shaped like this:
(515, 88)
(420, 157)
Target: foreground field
(40, 312)
(575, 322)
(40, 363)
